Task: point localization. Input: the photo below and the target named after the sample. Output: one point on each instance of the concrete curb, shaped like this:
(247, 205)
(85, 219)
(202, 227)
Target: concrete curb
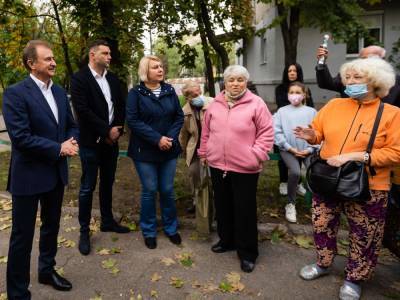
(190, 223)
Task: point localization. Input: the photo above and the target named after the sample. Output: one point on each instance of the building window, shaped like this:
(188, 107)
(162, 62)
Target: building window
(263, 49)
(373, 36)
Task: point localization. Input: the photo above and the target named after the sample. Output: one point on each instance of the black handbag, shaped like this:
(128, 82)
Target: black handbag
(349, 181)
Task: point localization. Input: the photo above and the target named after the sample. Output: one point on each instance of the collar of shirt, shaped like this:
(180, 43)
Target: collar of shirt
(42, 86)
(96, 75)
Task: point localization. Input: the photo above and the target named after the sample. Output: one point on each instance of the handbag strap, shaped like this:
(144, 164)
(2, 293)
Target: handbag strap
(373, 134)
(375, 128)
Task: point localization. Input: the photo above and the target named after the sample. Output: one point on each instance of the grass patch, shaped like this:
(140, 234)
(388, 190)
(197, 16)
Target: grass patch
(127, 188)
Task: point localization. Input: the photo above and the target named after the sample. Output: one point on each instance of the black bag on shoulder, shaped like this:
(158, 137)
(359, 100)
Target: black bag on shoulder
(349, 181)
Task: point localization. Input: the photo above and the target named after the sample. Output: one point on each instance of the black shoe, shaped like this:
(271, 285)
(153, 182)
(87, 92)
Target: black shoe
(247, 266)
(115, 227)
(219, 248)
(191, 209)
(150, 242)
(84, 244)
(55, 280)
(175, 239)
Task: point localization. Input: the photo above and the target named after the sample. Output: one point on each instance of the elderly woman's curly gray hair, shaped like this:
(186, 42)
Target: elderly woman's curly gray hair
(380, 74)
(236, 70)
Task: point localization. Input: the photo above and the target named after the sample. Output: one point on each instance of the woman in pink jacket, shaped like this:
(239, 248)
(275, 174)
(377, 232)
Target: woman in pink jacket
(237, 134)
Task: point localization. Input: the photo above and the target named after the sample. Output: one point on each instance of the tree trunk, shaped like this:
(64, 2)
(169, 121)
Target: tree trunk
(218, 47)
(64, 45)
(290, 32)
(206, 53)
(108, 28)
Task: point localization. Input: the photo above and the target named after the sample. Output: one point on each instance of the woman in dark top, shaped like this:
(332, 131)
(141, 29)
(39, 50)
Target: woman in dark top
(291, 73)
(155, 118)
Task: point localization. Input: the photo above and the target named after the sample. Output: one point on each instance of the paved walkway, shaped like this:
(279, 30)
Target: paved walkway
(159, 273)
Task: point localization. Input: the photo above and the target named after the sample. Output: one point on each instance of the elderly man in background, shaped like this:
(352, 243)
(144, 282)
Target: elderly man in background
(325, 80)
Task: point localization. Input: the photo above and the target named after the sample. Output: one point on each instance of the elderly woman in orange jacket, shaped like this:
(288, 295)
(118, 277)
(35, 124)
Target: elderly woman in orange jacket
(344, 126)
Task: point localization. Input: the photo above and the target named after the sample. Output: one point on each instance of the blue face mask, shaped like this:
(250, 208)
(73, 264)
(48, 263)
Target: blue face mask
(198, 101)
(356, 91)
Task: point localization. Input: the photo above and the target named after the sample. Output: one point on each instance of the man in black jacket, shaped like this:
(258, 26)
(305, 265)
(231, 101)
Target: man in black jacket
(325, 80)
(98, 101)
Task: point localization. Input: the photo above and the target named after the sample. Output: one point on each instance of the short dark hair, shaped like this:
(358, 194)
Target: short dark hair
(30, 53)
(96, 43)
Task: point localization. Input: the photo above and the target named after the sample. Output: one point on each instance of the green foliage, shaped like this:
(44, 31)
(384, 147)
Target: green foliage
(394, 58)
(340, 17)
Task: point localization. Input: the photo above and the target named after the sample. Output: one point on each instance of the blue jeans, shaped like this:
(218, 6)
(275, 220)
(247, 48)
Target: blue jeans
(104, 158)
(157, 177)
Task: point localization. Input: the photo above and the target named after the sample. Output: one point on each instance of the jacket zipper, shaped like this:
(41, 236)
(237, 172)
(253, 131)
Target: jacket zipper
(358, 131)
(351, 126)
(227, 119)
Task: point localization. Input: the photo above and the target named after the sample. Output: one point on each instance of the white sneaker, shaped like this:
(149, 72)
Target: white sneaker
(283, 188)
(290, 213)
(301, 189)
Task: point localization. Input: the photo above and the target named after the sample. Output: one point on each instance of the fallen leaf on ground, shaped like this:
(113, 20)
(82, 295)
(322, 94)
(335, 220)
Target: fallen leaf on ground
(209, 288)
(342, 250)
(185, 259)
(60, 271)
(115, 250)
(114, 238)
(344, 242)
(225, 287)
(304, 241)
(69, 244)
(108, 263)
(70, 229)
(132, 226)
(167, 261)
(3, 296)
(67, 217)
(233, 279)
(5, 226)
(104, 251)
(6, 218)
(155, 277)
(153, 294)
(278, 233)
(5, 205)
(97, 297)
(176, 282)
(3, 259)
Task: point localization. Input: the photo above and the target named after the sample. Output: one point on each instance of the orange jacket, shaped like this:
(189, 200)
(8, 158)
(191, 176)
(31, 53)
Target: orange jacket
(347, 122)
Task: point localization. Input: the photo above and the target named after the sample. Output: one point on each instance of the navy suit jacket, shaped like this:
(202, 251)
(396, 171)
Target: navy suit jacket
(36, 165)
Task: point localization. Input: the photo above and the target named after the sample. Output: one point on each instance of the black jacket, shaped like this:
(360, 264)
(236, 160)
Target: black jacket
(150, 118)
(281, 96)
(325, 81)
(91, 107)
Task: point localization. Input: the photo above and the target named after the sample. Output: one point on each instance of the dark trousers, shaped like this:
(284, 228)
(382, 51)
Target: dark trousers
(103, 158)
(283, 170)
(24, 210)
(236, 211)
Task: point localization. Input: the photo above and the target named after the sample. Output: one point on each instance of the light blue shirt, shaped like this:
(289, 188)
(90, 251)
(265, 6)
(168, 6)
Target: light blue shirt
(288, 118)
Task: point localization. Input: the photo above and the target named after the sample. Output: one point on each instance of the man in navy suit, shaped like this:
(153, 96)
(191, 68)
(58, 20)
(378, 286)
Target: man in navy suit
(99, 104)
(43, 134)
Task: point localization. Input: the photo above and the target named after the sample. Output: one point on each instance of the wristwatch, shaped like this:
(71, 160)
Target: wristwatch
(366, 158)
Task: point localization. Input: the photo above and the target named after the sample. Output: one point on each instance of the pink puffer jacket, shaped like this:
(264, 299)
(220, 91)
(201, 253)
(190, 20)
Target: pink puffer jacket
(237, 139)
